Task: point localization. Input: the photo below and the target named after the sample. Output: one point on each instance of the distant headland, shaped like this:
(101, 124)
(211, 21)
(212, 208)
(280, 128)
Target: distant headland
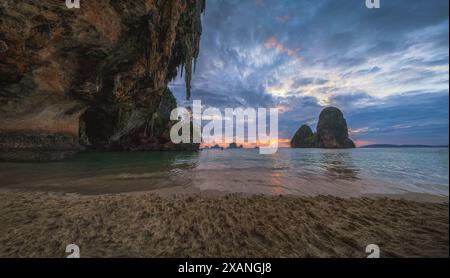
(401, 146)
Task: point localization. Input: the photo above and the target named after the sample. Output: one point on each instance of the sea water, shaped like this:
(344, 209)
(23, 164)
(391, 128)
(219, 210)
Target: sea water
(352, 172)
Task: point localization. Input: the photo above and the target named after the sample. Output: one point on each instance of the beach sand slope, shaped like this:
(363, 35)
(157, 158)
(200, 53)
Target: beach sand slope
(147, 225)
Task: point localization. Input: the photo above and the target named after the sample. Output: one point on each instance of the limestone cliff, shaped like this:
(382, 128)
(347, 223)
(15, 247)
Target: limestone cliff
(303, 138)
(332, 132)
(94, 77)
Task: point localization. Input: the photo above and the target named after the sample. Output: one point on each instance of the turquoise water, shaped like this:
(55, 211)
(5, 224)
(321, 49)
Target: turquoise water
(290, 171)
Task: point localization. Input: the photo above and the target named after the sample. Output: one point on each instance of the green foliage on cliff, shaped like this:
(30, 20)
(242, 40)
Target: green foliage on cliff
(303, 138)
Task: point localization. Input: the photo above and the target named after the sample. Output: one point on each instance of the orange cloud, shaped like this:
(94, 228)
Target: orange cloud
(361, 143)
(282, 142)
(273, 43)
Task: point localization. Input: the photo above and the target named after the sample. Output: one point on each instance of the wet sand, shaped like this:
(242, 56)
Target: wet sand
(34, 224)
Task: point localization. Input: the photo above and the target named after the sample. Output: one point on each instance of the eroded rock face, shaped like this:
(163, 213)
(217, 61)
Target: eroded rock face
(94, 77)
(303, 138)
(332, 131)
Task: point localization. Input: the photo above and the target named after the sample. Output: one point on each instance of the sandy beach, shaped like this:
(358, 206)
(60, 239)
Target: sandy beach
(34, 224)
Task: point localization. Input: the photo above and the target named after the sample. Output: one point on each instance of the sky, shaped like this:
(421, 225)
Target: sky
(387, 69)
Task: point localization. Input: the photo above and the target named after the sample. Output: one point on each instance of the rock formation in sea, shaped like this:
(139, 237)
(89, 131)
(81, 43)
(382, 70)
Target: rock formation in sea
(92, 78)
(332, 132)
(303, 138)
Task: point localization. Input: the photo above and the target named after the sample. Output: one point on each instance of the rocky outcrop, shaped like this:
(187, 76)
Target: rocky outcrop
(332, 132)
(303, 138)
(94, 77)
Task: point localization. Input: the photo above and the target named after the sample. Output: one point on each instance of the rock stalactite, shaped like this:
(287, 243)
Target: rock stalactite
(94, 77)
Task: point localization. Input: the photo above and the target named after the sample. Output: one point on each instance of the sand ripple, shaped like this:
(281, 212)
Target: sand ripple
(147, 225)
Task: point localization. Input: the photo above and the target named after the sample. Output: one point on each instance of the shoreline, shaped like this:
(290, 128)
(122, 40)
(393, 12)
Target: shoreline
(143, 224)
(188, 191)
(413, 196)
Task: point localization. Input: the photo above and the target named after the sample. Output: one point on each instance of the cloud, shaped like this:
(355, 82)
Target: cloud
(283, 18)
(273, 43)
(304, 55)
(413, 118)
(302, 82)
